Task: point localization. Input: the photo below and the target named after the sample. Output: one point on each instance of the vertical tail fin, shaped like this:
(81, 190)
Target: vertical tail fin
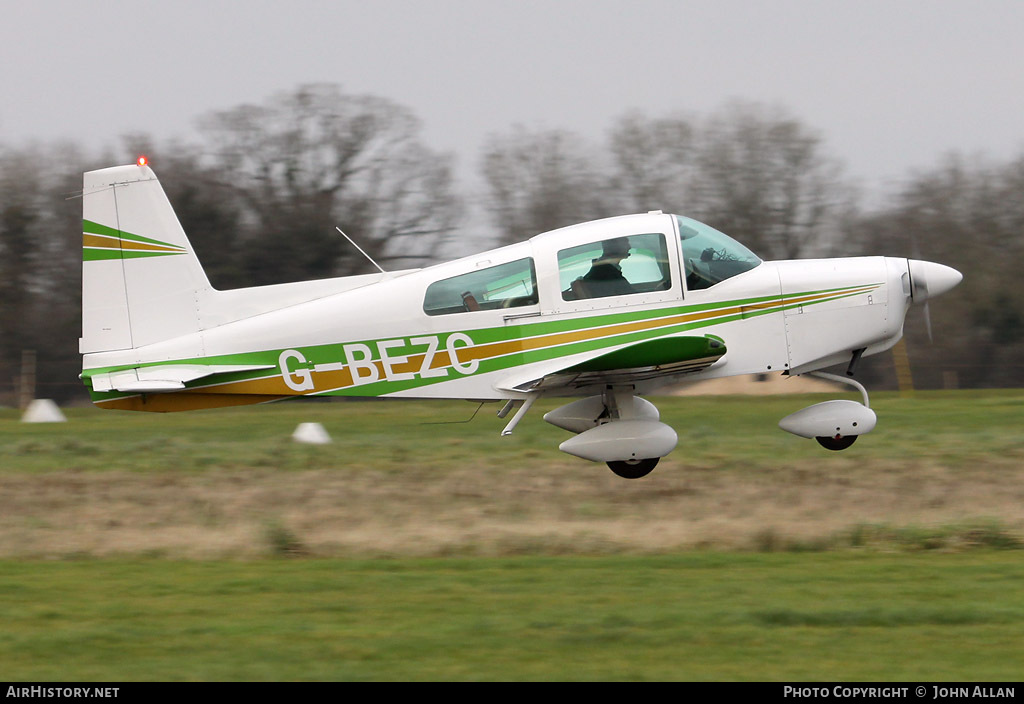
(140, 277)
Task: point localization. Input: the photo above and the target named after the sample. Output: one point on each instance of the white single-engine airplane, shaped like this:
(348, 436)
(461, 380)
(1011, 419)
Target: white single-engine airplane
(608, 310)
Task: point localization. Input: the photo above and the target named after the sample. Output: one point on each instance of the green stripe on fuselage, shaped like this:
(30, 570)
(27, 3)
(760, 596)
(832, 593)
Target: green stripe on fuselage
(731, 311)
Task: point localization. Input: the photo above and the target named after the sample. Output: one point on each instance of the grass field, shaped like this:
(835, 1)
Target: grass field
(209, 546)
(941, 470)
(782, 616)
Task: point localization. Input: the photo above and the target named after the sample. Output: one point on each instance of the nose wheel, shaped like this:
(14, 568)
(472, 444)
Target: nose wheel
(633, 469)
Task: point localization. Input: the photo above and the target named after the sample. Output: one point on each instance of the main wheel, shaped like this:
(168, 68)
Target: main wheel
(634, 469)
(836, 443)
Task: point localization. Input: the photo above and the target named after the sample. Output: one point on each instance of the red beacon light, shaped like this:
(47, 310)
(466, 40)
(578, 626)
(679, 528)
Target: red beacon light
(142, 161)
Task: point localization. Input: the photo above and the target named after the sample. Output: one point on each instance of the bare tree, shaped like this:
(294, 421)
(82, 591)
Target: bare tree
(20, 185)
(764, 178)
(654, 163)
(307, 161)
(40, 263)
(754, 172)
(540, 181)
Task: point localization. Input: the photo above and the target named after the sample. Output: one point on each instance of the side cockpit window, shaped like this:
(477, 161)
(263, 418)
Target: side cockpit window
(614, 267)
(510, 285)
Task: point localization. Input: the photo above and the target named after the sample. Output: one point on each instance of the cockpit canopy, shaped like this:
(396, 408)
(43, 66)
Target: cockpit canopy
(711, 256)
(629, 256)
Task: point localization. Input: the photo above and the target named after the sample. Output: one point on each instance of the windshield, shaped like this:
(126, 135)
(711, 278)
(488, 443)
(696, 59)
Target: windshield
(711, 256)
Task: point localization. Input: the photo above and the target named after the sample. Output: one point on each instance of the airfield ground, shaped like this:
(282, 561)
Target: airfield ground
(941, 470)
(209, 545)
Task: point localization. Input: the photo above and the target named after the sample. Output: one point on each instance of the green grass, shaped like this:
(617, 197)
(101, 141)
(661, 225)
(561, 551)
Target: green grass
(891, 598)
(958, 428)
(702, 616)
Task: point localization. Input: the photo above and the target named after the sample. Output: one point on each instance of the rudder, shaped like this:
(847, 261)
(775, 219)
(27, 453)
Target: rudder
(141, 280)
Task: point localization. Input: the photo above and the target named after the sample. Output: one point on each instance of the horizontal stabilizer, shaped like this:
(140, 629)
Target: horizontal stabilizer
(167, 377)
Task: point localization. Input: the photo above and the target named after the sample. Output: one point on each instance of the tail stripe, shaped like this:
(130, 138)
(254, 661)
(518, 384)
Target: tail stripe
(102, 242)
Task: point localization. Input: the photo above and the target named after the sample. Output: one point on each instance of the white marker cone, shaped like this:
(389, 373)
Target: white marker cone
(311, 434)
(43, 410)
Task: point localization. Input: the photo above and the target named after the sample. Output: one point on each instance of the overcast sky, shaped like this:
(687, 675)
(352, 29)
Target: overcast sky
(892, 85)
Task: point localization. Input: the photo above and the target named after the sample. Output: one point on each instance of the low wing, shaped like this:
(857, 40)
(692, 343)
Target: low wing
(666, 356)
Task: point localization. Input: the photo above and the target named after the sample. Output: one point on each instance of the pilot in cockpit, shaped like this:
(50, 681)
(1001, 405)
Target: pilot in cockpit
(605, 276)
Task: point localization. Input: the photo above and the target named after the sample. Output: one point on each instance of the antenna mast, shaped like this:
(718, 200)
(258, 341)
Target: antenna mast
(352, 242)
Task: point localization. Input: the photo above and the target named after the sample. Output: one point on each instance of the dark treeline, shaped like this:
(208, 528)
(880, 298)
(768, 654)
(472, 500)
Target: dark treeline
(262, 188)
